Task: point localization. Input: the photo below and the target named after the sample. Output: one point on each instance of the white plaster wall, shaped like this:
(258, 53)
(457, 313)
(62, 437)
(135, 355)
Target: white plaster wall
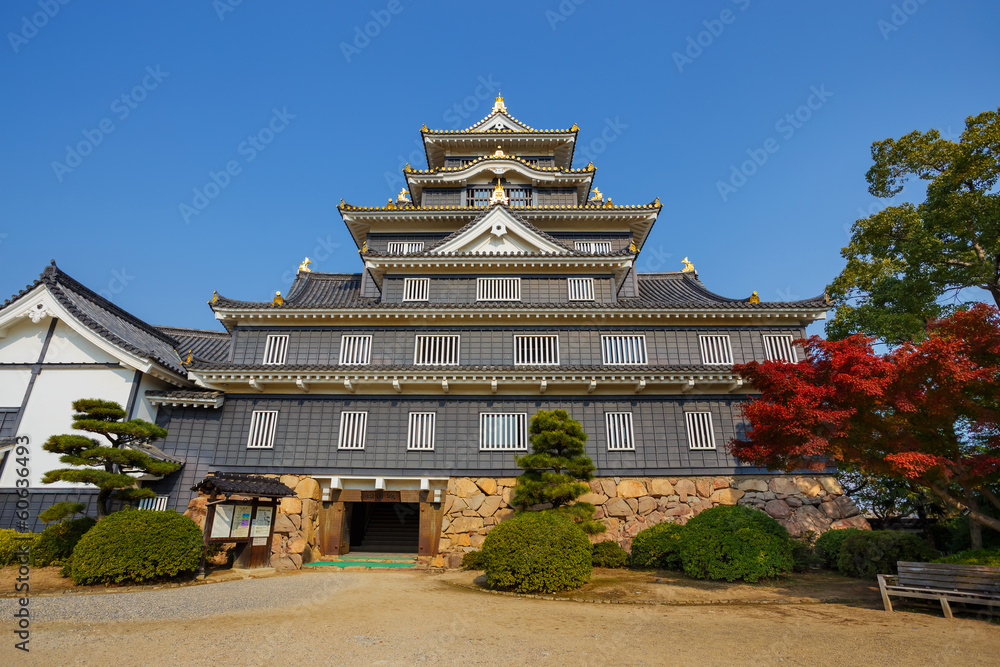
(69, 347)
(23, 342)
(49, 412)
(13, 383)
(143, 410)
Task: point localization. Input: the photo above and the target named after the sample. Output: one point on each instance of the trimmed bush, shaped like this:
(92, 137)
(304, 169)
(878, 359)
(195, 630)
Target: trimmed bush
(658, 546)
(805, 555)
(990, 557)
(55, 544)
(537, 552)
(868, 553)
(828, 545)
(735, 542)
(133, 546)
(11, 541)
(472, 560)
(608, 554)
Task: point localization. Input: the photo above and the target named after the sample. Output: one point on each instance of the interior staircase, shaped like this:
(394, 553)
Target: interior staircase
(390, 530)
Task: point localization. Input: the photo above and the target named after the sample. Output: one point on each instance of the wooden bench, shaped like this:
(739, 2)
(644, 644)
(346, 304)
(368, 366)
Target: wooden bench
(972, 584)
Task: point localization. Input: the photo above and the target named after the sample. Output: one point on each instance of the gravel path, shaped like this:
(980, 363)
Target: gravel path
(252, 595)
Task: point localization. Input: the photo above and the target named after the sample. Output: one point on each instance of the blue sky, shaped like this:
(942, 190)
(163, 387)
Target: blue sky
(115, 113)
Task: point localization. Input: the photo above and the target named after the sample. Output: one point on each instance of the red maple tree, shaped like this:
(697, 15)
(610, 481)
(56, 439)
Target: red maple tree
(928, 412)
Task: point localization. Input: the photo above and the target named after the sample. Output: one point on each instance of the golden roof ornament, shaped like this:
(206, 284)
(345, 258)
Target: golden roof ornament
(657, 202)
(688, 266)
(498, 105)
(403, 197)
(423, 128)
(590, 166)
(304, 266)
(499, 152)
(364, 247)
(574, 128)
(390, 204)
(754, 298)
(631, 247)
(277, 299)
(188, 360)
(215, 297)
(499, 196)
(595, 195)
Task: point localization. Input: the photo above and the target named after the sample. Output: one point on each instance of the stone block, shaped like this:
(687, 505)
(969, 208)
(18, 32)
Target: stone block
(685, 488)
(461, 540)
(310, 509)
(856, 521)
(809, 487)
(296, 520)
(470, 513)
(477, 540)
(475, 501)
(291, 481)
(831, 510)
(727, 496)
(449, 500)
(631, 488)
(783, 485)
(454, 561)
(832, 486)
(593, 498)
(507, 481)
(792, 526)
(792, 501)
(778, 509)
(465, 487)
(503, 514)
(812, 519)
(847, 507)
(617, 507)
(490, 505)
(610, 487)
(722, 482)
(296, 545)
(646, 505)
(487, 484)
(308, 488)
(752, 485)
(283, 524)
(704, 487)
(466, 524)
(507, 494)
(290, 506)
(660, 486)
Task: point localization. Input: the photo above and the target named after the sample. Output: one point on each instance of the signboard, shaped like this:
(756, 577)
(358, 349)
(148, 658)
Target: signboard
(380, 496)
(222, 525)
(241, 521)
(259, 541)
(262, 523)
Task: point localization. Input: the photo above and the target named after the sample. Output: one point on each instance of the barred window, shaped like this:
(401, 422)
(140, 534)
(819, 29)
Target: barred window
(416, 289)
(594, 247)
(620, 436)
(158, 504)
(699, 428)
(262, 425)
(421, 431)
(715, 350)
(581, 289)
(498, 289)
(478, 196)
(275, 350)
(352, 430)
(355, 349)
(519, 196)
(536, 350)
(618, 350)
(404, 247)
(779, 348)
(442, 350)
(503, 431)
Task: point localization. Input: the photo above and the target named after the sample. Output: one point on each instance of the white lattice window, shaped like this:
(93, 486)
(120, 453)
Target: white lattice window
(275, 350)
(536, 350)
(436, 350)
(262, 425)
(498, 289)
(416, 289)
(158, 504)
(594, 247)
(503, 431)
(581, 289)
(699, 428)
(403, 247)
(355, 349)
(715, 350)
(353, 426)
(420, 435)
(620, 436)
(779, 348)
(623, 350)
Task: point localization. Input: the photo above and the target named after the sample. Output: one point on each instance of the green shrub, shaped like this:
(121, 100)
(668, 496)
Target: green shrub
(805, 555)
(472, 560)
(133, 546)
(11, 541)
(658, 546)
(537, 552)
(734, 542)
(990, 557)
(56, 543)
(828, 545)
(608, 554)
(868, 553)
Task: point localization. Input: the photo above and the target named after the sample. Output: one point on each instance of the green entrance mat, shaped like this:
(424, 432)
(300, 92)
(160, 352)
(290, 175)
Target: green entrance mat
(366, 560)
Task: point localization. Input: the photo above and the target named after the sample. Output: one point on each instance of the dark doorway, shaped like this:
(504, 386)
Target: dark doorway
(385, 527)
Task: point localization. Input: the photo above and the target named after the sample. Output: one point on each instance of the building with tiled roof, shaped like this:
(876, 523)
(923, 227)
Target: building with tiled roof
(499, 282)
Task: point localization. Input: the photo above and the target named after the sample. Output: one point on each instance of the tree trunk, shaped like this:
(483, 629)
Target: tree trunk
(102, 503)
(975, 516)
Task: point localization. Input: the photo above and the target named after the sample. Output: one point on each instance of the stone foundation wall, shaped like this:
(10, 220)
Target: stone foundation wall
(628, 505)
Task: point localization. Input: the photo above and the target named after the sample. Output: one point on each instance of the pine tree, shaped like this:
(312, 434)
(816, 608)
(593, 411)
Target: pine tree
(557, 467)
(102, 465)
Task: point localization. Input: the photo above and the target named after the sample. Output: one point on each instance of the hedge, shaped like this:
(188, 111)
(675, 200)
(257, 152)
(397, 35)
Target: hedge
(541, 552)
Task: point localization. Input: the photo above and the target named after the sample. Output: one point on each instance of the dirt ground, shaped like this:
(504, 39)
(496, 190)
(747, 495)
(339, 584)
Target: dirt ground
(402, 618)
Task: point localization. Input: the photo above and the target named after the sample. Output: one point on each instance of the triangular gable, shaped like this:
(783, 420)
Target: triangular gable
(499, 231)
(498, 120)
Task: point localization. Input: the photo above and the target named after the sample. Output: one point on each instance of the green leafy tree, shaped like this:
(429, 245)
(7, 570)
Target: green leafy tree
(102, 465)
(910, 264)
(555, 471)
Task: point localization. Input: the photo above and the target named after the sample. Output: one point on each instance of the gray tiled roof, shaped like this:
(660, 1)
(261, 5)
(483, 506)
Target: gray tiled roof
(656, 290)
(155, 452)
(202, 343)
(181, 394)
(456, 369)
(247, 485)
(106, 319)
